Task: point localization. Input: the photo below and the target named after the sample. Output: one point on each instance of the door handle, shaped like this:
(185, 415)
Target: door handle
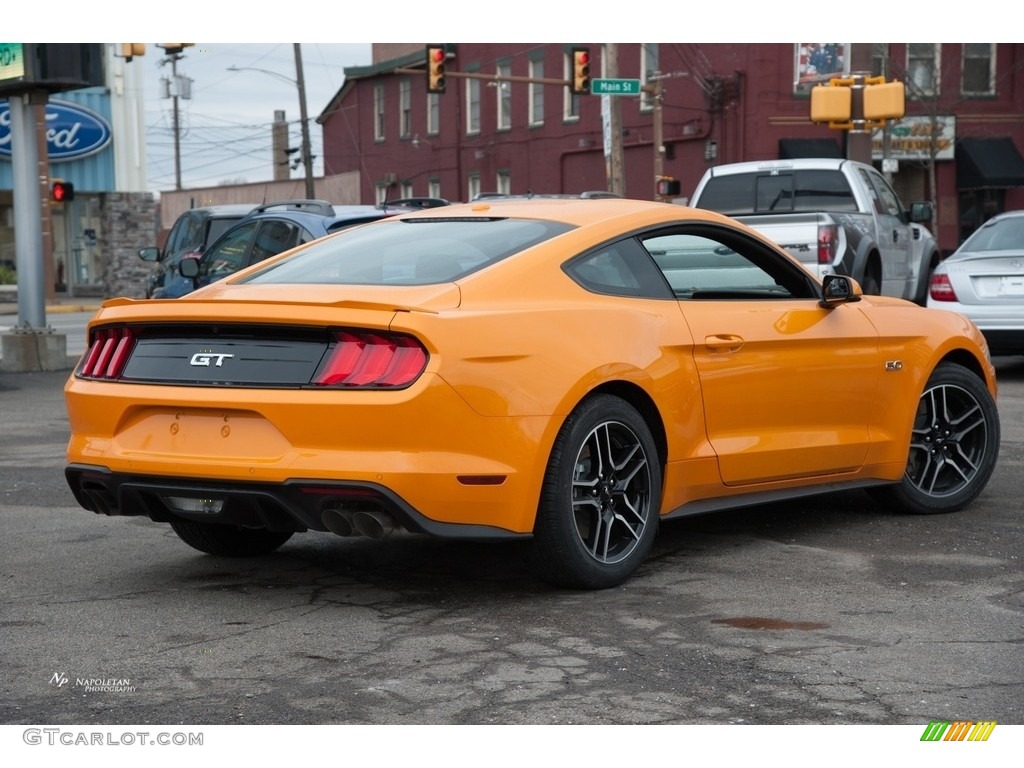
(723, 342)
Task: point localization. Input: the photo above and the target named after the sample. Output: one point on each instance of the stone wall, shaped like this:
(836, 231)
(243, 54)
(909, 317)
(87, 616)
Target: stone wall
(129, 223)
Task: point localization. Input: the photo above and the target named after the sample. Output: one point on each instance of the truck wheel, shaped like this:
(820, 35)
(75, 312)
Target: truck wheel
(872, 283)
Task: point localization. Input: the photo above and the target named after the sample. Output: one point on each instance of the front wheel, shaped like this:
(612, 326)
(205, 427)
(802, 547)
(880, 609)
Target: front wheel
(599, 506)
(228, 540)
(953, 446)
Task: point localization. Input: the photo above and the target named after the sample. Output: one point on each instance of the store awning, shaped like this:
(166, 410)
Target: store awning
(988, 163)
(791, 149)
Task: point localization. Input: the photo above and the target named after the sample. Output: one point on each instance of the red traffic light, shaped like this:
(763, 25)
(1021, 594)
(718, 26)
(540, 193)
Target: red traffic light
(436, 56)
(62, 191)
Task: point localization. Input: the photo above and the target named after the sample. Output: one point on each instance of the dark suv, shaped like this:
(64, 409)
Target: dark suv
(193, 231)
(267, 231)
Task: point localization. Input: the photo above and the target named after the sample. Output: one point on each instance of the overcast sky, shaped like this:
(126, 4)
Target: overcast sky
(225, 127)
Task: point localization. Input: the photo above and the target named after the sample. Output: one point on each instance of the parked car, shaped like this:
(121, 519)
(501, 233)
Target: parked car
(569, 372)
(836, 216)
(191, 233)
(267, 231)
(984, 280)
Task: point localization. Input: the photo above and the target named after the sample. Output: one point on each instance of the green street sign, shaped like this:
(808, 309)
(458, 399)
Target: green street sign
(12, 61)
(615, 86)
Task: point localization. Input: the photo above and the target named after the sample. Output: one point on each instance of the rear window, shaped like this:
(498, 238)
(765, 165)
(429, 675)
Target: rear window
(410, 251)
(778, 192)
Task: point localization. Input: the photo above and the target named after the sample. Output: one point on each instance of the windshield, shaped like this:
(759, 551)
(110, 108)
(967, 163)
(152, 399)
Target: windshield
(409, 251)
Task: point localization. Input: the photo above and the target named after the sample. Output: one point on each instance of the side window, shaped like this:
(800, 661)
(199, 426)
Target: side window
(274, 237)
(889, 201)
(622, 268)
(228, 254)
(705, 263)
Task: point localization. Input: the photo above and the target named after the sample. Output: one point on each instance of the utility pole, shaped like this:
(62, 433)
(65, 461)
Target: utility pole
(176, 88)
(307, 157)
(614, 152)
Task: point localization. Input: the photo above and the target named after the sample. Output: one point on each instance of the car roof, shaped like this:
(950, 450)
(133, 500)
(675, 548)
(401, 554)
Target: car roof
(575, 211)
(223, 210)
(796, 164)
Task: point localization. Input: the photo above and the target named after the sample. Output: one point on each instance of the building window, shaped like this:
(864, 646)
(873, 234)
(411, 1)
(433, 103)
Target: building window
(378, 111)
(536, 116)
(433, 113)
(978, 69)
(649, 67)
(880, 60)
(571, 105)
(404, 108)
(434, 188)
(474, 185)
(503, 183)
(472, 105)
(504, 100)
(407, 190)
(922, 69)
(381, 191)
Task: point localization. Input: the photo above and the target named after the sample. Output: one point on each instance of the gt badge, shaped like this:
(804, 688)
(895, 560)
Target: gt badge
(206, 359)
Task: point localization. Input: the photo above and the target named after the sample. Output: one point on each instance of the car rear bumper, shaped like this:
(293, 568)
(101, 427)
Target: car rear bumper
(294, 505)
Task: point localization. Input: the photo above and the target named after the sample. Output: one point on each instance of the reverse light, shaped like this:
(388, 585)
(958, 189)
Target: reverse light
(108, 353)
(372, 360)
(941, 289)
(828, 243)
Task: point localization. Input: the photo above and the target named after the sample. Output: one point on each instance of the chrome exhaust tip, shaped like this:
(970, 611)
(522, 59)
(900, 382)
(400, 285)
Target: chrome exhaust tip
(338, 522)
(375, 525)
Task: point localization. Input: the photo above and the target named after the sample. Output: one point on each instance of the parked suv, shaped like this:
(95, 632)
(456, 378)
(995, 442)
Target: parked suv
(191, 233)
(267, 231)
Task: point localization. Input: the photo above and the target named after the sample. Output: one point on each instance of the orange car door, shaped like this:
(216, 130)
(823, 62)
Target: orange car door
(787, 385)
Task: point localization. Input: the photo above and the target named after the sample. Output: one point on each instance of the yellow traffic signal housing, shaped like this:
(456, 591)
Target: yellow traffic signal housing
(581, 70)
(885, 101)
(130, 50)
(830, 104)
(435, 68)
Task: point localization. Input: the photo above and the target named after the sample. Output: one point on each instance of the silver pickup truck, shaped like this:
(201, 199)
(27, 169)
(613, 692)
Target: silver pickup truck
(834, 215)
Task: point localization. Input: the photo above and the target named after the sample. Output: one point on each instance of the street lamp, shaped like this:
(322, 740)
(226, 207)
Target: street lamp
(298, 82)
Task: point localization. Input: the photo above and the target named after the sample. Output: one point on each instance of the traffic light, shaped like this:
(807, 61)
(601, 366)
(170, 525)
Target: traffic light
(581, 70)
(128, 50)
(435, 69)
(668, 186)
(62, 191)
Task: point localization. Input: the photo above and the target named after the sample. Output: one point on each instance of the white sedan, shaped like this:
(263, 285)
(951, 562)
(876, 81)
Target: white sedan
(984, 280)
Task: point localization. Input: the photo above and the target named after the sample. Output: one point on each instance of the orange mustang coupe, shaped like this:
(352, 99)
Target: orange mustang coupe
(567, 370)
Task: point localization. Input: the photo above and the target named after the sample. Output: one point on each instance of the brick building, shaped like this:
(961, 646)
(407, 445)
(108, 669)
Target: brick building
(507, 123)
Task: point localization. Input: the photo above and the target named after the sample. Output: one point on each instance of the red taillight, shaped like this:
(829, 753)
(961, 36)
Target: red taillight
(941, 289)
(108, 353)
(370, 359)
(828, 242)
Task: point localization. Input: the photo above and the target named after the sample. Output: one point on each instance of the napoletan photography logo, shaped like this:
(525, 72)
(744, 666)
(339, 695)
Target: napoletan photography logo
(93, 684)
(958, 730)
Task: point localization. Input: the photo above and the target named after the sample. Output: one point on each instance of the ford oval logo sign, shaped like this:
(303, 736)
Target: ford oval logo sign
(71, 130)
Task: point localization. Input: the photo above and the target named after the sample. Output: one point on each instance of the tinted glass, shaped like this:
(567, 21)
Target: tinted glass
(409, 251)
(810, 190)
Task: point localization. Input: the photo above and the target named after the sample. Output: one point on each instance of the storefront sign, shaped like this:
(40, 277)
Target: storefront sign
(911, 138)
(72, 131)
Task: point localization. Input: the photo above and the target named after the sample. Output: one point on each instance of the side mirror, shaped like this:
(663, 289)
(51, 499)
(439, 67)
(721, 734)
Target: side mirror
(189, 266)
(149, 254)
(921, 212)
(839, 289)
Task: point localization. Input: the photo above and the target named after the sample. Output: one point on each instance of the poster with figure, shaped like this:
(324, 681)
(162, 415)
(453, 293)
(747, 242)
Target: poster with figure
(817, 63)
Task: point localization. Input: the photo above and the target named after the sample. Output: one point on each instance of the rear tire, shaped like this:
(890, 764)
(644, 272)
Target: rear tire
(228, 540)
(953, 446)
(598, 512)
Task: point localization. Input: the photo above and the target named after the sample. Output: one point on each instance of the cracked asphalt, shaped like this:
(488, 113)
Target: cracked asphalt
(824, 611)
